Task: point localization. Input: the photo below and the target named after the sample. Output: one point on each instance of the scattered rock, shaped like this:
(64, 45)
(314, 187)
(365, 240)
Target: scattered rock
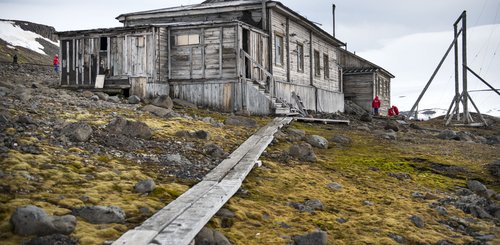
(176, 159)
(341, 140)
(241, 121)
(145, 186)
(294, 135)
(477, 187)
(485, 237)
(101, 214)
(163, 101)
(303, 152)
(493, 140)
(448, 135)
(363, 128)
(226, 216)
(214, 150)
(444, 242)
(184, 103)
(30, 220)
(417, 221)
(367, 117)
(494, 168)
(123, 126)
(313, 238)
(26, 120)
(55, 239)
(114, 99)
(156, 110)
(392, 125)
(334, 186)
(441, 210)
(368, 203)
(317, 141)
(77, 132)
(209, 236)
(415, 126)
(400, 176)
(102, 96)
(309, 206)
(202, 134)
(209, 120)
(87, 94)
(397, 238)
(94, 98)
(183, 134)
(134, 99)
(341, 220)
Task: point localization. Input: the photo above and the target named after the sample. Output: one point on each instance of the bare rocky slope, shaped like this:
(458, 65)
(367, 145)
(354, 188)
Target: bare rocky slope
(78, 167)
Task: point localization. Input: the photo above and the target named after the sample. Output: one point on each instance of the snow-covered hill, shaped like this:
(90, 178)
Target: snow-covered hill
(33, 43)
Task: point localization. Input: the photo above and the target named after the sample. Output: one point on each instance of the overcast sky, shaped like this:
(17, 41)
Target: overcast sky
(407, 37)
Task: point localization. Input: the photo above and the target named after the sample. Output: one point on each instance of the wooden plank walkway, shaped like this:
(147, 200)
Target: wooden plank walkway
(320, 120)
(180, 221)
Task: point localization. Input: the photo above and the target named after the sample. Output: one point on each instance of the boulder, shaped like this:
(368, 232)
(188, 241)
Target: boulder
(294, 135)
(303, 152)
(123, 126)
(334, 186)
(214, 150)
(477, 187)
(26, 120)
(366, 117)
(102, 96)
(448, 135)
(183, 134)
(134, 99)
(241, 121)
(31, 220)
(208, 236)
(185, 104)
(100, 214)
(309, 206)
(114, 99)
(397, 238)
(341, 140)
(145, 186)
(77, 132)
(226, 216)
(317, 141)
(156, 110)
(390, 124)
(494, 168)
(400, 176)
(55, 239)
(313, 238)
(417, 221)
(202, 134)
(177, 159)
(163, 101)
(87, 94)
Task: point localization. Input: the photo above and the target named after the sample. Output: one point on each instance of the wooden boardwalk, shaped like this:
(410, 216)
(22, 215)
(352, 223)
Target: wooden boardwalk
(181, 220)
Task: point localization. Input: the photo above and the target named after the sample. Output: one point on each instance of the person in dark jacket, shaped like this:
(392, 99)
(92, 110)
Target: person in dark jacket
(14, 59)
(376, 105)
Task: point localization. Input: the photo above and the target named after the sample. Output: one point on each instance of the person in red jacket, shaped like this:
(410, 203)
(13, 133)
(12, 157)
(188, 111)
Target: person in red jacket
(396, 110)
(56, 63)
(391, 113)
(376, 105)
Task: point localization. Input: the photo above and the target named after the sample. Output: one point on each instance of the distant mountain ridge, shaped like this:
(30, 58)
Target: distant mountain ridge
(32, 42)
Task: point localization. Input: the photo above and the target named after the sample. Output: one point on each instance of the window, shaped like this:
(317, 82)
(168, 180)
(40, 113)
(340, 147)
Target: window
(278, 42)
(317, 67)
(187, 39)
(326, 66)
(104, 44)
(300, 57)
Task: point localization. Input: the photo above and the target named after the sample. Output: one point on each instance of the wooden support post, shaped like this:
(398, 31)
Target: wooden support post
(288, 50)
(169, 54)
(311, 59)
(482, 80)
(464, 68)
(457, 86)
(221, 47)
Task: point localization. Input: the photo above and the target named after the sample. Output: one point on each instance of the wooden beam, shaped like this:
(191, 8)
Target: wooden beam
(288, 49)
(320, 120)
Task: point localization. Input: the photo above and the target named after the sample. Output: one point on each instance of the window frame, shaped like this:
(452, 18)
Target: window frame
(317, 63)
(195, 37)
(300, 57)
(326, 66)
(279, 49)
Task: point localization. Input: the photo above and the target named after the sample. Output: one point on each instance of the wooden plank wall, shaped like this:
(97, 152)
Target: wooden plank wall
(293, 33)
(215, 94)
(359, 88)
(307, 94)
(330, 102)
(215, 56)
(257, 102)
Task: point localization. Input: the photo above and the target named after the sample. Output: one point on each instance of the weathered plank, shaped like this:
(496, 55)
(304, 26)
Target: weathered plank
(320, 120)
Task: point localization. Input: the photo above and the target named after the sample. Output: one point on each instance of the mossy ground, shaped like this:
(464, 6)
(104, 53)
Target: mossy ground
(62, 178)
(261, 214)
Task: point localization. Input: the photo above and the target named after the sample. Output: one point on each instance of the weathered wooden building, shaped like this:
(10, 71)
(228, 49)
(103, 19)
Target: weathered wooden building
(255, 56)
(364, 80)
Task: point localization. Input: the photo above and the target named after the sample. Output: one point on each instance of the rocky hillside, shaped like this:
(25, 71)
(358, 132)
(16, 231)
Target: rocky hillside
(78, 167)
(33, 43)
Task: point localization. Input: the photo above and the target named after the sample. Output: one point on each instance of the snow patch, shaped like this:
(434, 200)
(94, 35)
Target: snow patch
(11, 47)
(14, 35)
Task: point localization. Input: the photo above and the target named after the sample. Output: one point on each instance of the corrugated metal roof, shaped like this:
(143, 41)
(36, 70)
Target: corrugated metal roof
(360, 70)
